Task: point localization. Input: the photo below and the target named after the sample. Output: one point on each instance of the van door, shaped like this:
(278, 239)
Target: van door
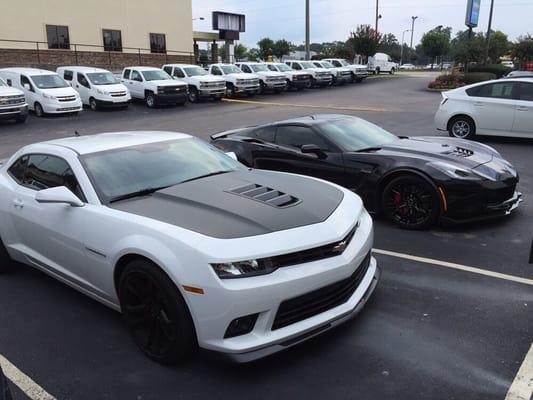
(83, 87)
(29, 91)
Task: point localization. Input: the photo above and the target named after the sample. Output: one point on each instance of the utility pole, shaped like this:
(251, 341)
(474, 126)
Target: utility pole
(412, 30)
(488, 31)
(307, 31)
(401, 52)
(377, 15)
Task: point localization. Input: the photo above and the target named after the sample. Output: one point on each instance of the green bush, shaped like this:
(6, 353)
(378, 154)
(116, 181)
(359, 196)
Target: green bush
(474, 77)
(497, 69)
(447, 81)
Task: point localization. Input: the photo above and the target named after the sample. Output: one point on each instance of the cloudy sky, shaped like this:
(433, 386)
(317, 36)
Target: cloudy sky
(334, 19)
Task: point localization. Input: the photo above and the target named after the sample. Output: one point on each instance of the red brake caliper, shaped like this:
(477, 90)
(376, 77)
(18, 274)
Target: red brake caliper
(397, 202)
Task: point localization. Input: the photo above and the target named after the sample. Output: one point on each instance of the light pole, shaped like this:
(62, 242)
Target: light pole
(401, 51)
(307, 31)
(412, 30)
(488, 31)
(378, 16)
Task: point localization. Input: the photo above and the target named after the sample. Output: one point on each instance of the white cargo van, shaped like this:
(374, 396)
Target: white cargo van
(98, 88)
(46, 92)
(381, 62)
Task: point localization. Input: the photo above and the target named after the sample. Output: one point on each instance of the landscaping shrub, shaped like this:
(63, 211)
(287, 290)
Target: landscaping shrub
(447, 81)
(497, 69)
(474, 77)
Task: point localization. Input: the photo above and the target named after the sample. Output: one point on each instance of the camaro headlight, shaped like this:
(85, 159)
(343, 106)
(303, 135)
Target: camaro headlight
(457, 172)
(243, 269)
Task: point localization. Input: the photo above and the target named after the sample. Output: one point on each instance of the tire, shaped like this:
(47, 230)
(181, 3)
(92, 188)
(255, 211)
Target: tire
(230, 91)
(92, 104)
(377, 71)
(21, 119)
(155, 314)
(150, 100)
(38, 110)
(392, 71)
(410, 202)
(262, 87)
(354, 78)
(462, 127)
(193, 95)
(313, 83)
(6, 263)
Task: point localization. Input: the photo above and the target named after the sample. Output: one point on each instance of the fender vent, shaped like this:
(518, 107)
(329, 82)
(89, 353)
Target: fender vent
(462, 152)
(266, 195)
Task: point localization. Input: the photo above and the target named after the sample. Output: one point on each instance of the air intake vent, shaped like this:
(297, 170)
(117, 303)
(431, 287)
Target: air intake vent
(266, 195)
(462, 152)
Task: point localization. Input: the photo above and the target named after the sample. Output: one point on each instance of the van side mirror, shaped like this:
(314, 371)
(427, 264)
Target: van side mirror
(58, 195)
(27, 86)
(313, 149)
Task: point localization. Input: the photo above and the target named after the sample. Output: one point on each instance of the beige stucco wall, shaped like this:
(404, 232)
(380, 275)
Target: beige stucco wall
(136, 19)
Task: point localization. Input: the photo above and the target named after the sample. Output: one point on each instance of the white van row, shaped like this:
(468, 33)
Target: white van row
(71, 87)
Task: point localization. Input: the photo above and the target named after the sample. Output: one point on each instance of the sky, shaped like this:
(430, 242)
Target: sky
(335, 19)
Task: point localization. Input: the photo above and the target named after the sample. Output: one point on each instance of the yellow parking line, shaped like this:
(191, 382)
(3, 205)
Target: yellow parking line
(460, 267)
(323, 107)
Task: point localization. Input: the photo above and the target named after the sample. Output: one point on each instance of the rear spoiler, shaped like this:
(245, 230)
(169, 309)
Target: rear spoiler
(220, 135)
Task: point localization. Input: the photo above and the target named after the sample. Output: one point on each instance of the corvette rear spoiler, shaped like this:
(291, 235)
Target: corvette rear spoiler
(219, 135)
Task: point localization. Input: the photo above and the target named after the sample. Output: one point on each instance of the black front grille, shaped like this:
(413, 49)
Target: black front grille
(500, 195)
(172, 89)
(266, 195)
(320, 300)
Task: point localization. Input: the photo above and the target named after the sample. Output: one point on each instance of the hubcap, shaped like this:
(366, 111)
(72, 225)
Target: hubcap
(461, 129)
(409, 204)
(150, 101)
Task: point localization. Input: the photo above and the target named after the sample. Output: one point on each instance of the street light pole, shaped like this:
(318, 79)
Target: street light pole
(488, 31)
(401, 51)
(412, 30)
(307, 31)
(377, 15)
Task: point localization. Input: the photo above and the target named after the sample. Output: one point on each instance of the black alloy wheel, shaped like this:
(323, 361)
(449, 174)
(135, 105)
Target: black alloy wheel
(410, 202)
(156, 314)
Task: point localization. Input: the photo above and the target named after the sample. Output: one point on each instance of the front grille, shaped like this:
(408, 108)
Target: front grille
(214, 85)
(12, 100)
(301, 77)
(265, 195)
(118, 94)
(500, 195)
(320, 300)
(66, 98)
(248, 82)
(172, 89)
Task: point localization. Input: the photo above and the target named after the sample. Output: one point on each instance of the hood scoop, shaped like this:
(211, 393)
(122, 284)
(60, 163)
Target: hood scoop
(462, 152)
(266, 195)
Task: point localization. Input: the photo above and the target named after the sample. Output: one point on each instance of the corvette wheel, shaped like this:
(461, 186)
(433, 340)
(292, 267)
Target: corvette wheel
(410, 202)
(6, 264)
(155, 314)
(462, 128)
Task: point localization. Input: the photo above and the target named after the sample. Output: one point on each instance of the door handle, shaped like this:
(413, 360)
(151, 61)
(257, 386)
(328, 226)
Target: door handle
(521, 108)
(18, 203)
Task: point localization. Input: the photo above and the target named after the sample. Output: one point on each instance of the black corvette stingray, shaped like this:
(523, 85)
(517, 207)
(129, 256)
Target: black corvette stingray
(413, 181)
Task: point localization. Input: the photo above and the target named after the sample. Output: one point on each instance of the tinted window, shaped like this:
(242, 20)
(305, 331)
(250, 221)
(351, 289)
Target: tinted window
(17, 169)
(297, 136)
(272, 68)
(82, 80)
(44, 172)
(216, 71)
(136, 76)
(57, 37)
(112, 40)
(296, 67)
(67, 75)
(336, 63)
(25, 81)
(178, 73)
(526, 91)
(158, 43)
(498, 90)
(126, 74)
(168, 70)
(266, 134)
(246, 68)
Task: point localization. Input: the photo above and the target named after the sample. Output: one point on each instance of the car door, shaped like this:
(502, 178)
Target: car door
(523, 121)
(286, 154)
(493, 106)
(29, 91)
(137, 87)
(50, 235)
(83, 87)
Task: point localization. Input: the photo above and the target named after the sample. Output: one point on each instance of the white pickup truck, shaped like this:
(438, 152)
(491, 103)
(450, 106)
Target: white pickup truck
(295, 79)
(359, 72)
(339, 75)
(319, 76)
(381, 62)
(154, 86)
(268, 80)
(12, 103)
(202, 85)
(237, 82)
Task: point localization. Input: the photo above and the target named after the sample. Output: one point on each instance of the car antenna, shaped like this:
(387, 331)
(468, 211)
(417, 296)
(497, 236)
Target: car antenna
(77, 134)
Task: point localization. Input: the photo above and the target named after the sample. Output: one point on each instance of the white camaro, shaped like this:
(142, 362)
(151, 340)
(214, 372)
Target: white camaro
(192, 247)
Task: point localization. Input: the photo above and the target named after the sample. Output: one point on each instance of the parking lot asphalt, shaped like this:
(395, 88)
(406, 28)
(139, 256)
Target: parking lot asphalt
(428, 332)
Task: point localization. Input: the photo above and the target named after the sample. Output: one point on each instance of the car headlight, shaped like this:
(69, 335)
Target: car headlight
(100, 91)
(47, 96)
(244, 269)
(456, 172)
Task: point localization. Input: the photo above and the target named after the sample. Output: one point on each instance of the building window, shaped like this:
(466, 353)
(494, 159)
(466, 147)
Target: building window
(57, 37)
(158, 43)
(112, 40)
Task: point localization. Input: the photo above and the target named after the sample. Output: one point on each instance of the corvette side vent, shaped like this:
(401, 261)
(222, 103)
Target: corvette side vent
(266, 195)
(462, 152)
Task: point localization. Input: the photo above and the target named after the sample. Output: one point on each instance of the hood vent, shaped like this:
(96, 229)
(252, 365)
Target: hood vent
(462, 152)
(265, 195)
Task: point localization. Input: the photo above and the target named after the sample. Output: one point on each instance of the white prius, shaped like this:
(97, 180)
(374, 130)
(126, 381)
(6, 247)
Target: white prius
(193, 248)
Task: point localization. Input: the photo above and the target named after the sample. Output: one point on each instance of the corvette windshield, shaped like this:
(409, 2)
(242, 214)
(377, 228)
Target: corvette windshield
(356, 134)
(123, 172)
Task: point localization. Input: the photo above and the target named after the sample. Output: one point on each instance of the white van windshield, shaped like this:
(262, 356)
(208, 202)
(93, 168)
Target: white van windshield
(48, 81)
(102, 78)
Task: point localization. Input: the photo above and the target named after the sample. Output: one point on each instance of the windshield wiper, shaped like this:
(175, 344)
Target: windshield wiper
(139, 193)
(205, 176)
(375, 148)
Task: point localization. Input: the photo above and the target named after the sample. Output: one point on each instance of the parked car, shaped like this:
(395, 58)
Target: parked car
(339, 75)
(237, 82)
(98, 88)
(407, 66)
(381, 62)
(12, 103)
(202, 85)
(519, 74)
(191, 246)
(497, 108)
(298, 80)
(268, 80)
(45, 91)
(320, 77)
(359, 72)
(154, 86)
(5, 393)
(509, 64)
(412, 181)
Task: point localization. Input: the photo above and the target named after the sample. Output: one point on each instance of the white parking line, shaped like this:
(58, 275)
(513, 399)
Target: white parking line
(460, 267)
(522, 386)
(24, 382)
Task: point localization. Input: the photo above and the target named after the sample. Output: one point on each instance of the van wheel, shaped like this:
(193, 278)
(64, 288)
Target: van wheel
(38, 110)
(6, 263)
(150, 100)
(377, 71)
(92, 104)
(392, 71)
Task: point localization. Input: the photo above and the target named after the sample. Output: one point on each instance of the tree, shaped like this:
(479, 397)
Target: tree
(240, 51)
(435, 43)
(364, 41)
(468, 50)
(222, 53)
(266, 46)
(253, 54)
(499, 46)
(522, 50)
(281, 48)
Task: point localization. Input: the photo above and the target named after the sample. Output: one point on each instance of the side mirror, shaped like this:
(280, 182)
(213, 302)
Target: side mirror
(313, 149)
(27, 86)
(58, 195)
(232, 155)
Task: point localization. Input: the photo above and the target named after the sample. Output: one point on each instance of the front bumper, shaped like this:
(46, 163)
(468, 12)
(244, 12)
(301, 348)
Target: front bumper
(298, 84)
(113, 103)
(171, 98)
(247, 88)
(323, 81)
(213, 92)
(278, 85)
(13, 112)
(62, 107)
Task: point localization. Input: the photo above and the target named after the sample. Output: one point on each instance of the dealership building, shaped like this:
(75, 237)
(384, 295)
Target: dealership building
(106, 33)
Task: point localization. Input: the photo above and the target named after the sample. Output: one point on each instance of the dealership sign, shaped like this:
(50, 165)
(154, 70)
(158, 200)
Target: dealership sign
(229, 25)
(472, 13)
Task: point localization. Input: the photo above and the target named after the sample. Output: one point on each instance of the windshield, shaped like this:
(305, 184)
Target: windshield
(327, 64)
(356, 134)
(122, 171)
(307, 65)
(194, 71)
(344, 63)
(155, 75)
(102, 78)
(259, 68)
(283, 67)
(230, 69)
(48, 81)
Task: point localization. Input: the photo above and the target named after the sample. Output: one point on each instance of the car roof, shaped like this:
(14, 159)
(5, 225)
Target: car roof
(315, 119)
(29, 71)
(181, 65)
(82, 69)
(114, 140)
(141, 68)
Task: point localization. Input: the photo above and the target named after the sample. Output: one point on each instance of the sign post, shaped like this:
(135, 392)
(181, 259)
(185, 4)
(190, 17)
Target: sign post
(471, 20)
